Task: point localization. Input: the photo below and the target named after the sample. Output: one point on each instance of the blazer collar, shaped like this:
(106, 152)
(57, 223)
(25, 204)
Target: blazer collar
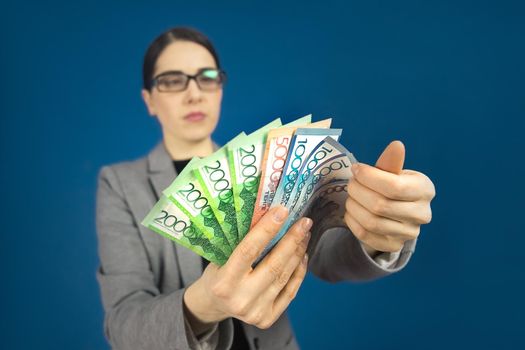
(159, 159)
(161, 174)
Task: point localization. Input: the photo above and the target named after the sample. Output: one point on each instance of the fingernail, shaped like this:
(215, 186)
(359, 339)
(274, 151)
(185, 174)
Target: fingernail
(305, 259)
(307, 235)
(306, 224)
(355, 169)
(280, 214)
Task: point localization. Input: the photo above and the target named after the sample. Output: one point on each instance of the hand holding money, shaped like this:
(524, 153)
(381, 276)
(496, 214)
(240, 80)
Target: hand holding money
(259, 295)
(228, 208)
(387, 205)
(212, 204)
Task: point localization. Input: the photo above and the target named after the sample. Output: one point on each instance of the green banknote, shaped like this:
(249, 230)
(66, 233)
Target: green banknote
(170, 221)
(213, 175)
(245, 156)
(187, 194)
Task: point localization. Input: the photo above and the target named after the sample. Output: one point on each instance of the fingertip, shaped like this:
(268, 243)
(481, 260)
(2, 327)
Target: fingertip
(355, 169)
(306, 224)
(398, 143)
(280, 213)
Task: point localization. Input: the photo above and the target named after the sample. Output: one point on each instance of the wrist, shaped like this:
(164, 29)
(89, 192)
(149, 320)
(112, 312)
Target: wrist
(199, 309)
(370, 251)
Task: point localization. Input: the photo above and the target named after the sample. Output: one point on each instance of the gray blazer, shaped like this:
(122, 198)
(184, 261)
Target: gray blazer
(143, 275)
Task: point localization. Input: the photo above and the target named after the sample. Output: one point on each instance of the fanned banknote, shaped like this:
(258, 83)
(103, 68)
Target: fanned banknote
(303, 143)
(274, 159)
(188, 195)
(212, 204)
(327, 210)
(322, 172)
(245, 157)
(213, 174)
(327, 149)
(169, 221)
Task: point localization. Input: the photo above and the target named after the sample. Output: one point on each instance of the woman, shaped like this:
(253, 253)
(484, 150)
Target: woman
(159, 295)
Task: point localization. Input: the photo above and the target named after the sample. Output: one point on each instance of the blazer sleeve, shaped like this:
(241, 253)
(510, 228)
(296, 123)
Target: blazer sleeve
(137, 315)
(340, 256)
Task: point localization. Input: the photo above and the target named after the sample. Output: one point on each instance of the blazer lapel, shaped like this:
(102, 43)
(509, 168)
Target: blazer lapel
(161, 174)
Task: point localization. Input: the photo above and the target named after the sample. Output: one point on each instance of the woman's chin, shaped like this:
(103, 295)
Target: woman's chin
(199, 132)
(197, 135)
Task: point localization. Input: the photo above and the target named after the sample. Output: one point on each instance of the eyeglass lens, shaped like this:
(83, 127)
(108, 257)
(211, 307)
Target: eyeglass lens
(207, 80)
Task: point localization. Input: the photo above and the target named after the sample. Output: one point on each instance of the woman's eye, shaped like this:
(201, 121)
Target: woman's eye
(209, 76)
(205, 79)
(171, 82)
(174, 82)
(209, 79)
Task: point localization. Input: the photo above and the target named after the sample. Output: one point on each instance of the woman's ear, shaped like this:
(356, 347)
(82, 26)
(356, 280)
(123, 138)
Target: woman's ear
(146, 96)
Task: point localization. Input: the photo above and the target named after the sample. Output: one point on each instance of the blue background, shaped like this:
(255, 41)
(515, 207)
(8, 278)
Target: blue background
(445, 77)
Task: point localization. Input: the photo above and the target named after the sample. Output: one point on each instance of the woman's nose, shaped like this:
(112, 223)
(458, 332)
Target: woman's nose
(193, 92)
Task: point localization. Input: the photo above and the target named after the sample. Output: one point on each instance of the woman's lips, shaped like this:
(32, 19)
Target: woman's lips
(195, 116)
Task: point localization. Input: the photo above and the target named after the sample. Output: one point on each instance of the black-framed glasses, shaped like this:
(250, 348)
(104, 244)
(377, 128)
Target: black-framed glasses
(207, 79)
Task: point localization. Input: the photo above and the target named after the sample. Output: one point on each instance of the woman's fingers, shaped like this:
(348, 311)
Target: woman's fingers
(418, 212)
(249, 249)
(273, 305)
(290, 290)
(407, 186)
(274, 271)
(383, 243)
(380, 225)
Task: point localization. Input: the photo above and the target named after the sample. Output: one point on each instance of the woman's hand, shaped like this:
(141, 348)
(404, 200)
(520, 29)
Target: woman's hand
(387, 205)
(256, 296)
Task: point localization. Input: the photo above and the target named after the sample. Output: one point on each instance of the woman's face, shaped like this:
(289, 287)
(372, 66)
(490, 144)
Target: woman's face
(190, 115)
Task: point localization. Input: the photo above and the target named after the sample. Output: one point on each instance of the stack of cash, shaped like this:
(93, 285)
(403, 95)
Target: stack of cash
(212, 204)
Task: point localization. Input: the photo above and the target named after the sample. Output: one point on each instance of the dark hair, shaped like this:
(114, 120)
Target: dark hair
(162, 41)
